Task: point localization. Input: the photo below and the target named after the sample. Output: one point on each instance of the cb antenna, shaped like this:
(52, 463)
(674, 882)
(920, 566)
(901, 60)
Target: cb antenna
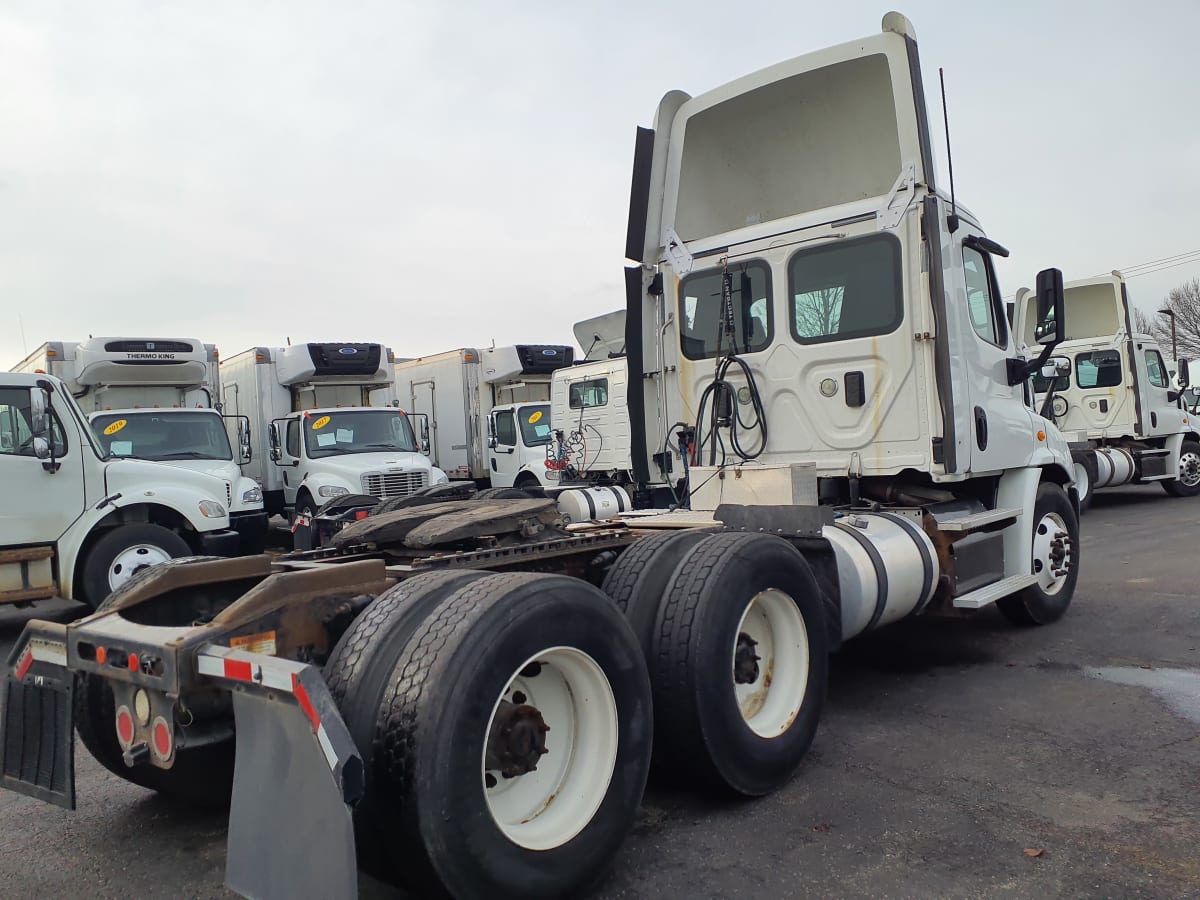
(952, 222)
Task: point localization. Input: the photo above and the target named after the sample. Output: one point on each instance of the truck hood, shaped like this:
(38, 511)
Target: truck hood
(138, 478)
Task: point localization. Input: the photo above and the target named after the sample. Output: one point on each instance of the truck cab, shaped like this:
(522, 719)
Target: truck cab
(1113, 394)
(519, 435)
(159, 399)
(325, 453)
(79, 523)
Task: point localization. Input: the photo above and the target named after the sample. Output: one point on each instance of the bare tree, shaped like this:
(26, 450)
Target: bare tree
(1184, 302)
(818, 313)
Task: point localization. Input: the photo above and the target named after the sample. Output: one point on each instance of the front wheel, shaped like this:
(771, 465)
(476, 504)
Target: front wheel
(124, 552)
(1188, 483)
(1055, 561)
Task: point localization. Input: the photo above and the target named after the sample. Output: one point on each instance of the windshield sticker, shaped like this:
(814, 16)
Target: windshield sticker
(325, 440)
(345, 435)
(116, 426)
(536, 417)
(121, 448)
(320, 423)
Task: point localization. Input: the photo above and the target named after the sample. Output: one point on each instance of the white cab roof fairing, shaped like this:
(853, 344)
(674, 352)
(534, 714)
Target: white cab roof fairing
(1093, 308)
(601, 336)
(728, 167)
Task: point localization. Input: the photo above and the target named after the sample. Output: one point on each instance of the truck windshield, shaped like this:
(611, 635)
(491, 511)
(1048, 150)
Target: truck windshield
(357, 431)
(535, 425)
(162, 436)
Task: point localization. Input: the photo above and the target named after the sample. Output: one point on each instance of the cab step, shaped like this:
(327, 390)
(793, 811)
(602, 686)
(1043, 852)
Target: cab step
(980, 598)
(975, 521)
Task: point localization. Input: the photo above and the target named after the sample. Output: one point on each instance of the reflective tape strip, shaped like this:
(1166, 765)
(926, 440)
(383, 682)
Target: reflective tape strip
(40, 650)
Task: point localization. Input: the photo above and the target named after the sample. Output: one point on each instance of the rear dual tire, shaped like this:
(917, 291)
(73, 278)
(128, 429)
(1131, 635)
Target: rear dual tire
(704, 605)
(456, 662)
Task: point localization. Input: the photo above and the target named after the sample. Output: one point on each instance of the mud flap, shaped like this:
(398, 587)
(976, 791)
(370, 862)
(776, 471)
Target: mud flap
(37, 729)
(290, 829)
(37, 738)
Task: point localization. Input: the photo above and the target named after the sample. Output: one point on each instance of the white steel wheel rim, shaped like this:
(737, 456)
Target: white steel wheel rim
(549, 806)
(1083, 483)
(132, 560)
(769, 705)
(1044, 536)
(1189, 469)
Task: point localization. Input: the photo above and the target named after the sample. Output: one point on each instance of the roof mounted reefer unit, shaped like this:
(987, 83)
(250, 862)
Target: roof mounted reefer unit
(333, 363)
(506, 363)
(120, 360)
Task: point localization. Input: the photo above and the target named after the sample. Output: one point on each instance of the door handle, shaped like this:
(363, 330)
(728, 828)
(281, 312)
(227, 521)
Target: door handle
(981, 431)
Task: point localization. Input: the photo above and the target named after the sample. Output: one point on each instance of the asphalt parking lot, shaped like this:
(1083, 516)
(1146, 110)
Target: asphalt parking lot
(955, 759)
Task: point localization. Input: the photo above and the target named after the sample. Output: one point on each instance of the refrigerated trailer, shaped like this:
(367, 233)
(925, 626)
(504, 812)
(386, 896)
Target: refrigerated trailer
(324, 423)
(488, 410)
(1113, 395)
(159, 399)
(444, 688)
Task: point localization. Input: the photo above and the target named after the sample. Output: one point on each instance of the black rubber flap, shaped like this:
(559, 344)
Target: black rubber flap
(37, 739)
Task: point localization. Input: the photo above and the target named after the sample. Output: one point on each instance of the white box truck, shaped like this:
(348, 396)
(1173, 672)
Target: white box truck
(324, 423)
(488, 410)
(159, 399)
(79, 523)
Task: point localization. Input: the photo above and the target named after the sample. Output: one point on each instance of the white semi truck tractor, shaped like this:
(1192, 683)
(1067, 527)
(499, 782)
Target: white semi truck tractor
(488, 411)
(78, 522)
(159, 399)
(325, 426)
(468, 694)
(1112, 395)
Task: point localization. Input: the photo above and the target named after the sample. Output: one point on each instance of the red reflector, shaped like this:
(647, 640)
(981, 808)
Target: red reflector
(237, 669)
(305, 703)
(360, 514)
(134, 665)
(125, 726)
(101, 656)
(24, 664)
(162, 739)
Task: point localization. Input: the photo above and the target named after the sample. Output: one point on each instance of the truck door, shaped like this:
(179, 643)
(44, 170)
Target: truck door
(1159, 415)
(40, 505)
(285, 446)
(421, 401)
(1000, 424)
(504, 459)
(1101, 377)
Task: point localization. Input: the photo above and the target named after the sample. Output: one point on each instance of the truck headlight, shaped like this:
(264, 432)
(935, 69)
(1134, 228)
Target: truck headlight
(211, 509)
(331, 490)
(254, 495)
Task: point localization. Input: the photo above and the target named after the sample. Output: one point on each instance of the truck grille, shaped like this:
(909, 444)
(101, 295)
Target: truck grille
(386, 485)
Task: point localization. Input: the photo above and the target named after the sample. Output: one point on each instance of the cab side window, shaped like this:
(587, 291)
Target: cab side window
(16, 438)
(506, 428)
(1155, 369)
(292, 440)
(981, 302)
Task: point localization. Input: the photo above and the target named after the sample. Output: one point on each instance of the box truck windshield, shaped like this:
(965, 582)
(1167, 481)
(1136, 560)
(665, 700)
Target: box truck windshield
(163, 436)
(355, 431)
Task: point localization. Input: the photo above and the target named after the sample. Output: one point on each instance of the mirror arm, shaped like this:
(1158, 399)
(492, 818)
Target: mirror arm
(1020, 369)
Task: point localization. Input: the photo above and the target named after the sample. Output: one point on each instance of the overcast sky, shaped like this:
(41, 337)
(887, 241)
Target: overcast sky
(440, 174)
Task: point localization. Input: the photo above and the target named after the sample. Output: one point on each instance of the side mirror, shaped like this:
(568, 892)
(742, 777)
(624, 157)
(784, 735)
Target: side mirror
(273, 436)
(1056, 367)
(41, 447)
(491, 433)
(1185, 379)
(39, 417)
(1051, 322)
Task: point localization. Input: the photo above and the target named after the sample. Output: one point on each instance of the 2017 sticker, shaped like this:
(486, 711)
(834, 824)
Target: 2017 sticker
(536, 417)
(116, 426)
(320, 423)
